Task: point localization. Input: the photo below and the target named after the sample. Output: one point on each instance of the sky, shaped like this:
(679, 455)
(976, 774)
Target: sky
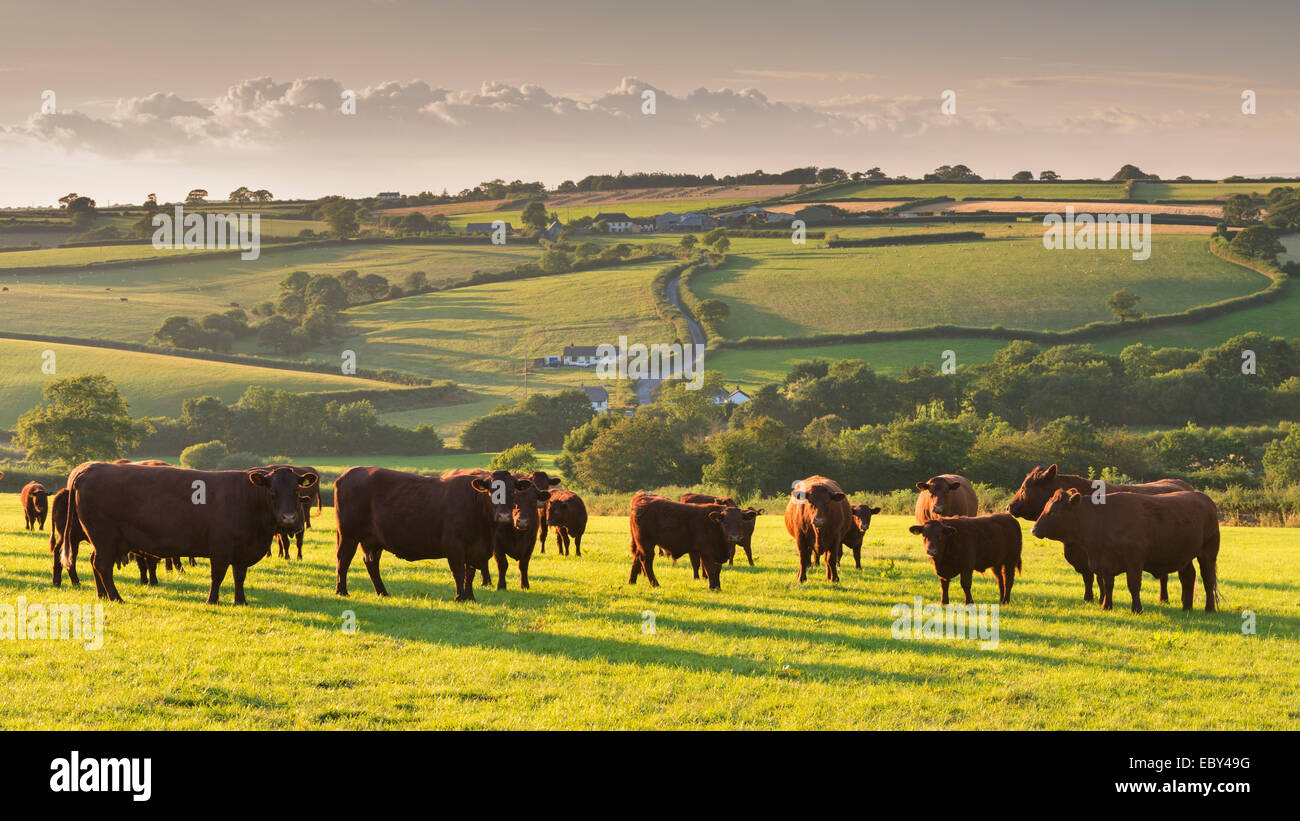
(153, 97)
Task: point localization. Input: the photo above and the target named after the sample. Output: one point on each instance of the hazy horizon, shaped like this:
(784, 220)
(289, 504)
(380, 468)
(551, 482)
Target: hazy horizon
(153, 99)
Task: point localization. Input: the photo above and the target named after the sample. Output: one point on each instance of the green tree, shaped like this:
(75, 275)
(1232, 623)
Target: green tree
(1022, 176)
(520, 458)
(1123, 304)
(81, 418)
(1240, 209)
(1282, 459)
(534, 215)
(1256, 243)
(205, 456)
(1048, 176)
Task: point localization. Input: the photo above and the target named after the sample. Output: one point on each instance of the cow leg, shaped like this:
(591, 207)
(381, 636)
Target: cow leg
(344, 550)
(577, 545)
(1164, 588)
(966, 577)
(459, 574)
(1000, 578)
(484, 567)
(943, 590)
(193, 562)
(543, 525)
(502, 564)
(57, 572)
(241, 570)
(857, 557)
(832, 565)
(523, 571)
(299, 536)
(805, 557)
(469, 584)
(1187, 579)
(371, 560)
(1009, 578)
(218, 576)
(636, 569)
(103, 564)
(153, 572)
(648, 567)
(1210, 581)
(41, 524)
(714, 572)
(72, 565)
(1107, 589)
(144, 570)
(695, 565)
(1087, 585)
(1135, 587)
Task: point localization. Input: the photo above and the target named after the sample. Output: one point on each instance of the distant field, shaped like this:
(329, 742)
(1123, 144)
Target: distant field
(89, 304)
(959, 191)
(583, 649)
(660, 198)
(775, 289)
(568, 213)
(1202, 191)
(152, 384)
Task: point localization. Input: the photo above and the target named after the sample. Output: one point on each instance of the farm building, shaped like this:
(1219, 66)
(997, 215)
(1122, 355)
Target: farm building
(584, 356)
(388, 195)
(598, 396)
(736, 397)
(616, 221)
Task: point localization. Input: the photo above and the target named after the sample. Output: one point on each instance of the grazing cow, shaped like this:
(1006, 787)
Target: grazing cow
(543, 481)
(307, 498)
(450, 517)
(817, 517)
(853, 535)
(229, 516)
(746, 542)
(1132, 533)
(517, 539)
(148, 565)
(960, 545)
(945, 495)
(1040, 484)
(705, 533)
(35, 500)
(567, 513)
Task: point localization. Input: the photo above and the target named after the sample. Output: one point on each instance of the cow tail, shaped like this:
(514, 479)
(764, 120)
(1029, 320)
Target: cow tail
(65, 556)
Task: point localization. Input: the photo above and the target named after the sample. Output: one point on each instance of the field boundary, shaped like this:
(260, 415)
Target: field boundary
(1276, 289)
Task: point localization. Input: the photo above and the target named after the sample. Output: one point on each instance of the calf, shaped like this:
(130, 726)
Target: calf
(746, 541)
(157, 511)
(853, 535)
(35, 500)
(543, 481)
(1038, 487)
(567, 513)
(680, 529)
(516, 539)
(1132, 533)
(960, 545)
(945, 495)
(450, 517)
(818, 518)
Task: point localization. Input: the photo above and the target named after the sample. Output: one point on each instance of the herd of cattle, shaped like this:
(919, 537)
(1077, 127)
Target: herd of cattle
(150, 511)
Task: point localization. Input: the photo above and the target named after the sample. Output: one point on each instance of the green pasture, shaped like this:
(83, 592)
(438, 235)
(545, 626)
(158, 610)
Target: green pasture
(584, 650)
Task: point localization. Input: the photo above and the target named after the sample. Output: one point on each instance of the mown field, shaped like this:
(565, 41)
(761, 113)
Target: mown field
(153, 385)
(1040, 190)
(567, 213)
(776, 289)
(88, 304)
(572, 653)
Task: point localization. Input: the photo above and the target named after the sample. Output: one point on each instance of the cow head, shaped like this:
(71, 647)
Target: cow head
(819, 498)
(500, 488)
(1060, 516)
(731, 521)
(543, 481)
(862, 516)
(939, 538)
(939, 488)
(284, 487)
(1035, 490)
(529, 498)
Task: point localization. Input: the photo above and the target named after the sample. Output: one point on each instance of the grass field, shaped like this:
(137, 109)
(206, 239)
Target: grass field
(764, 652)
(567, 213)
(960, 191)
(89, 304)
(153, 384)
(776, 289)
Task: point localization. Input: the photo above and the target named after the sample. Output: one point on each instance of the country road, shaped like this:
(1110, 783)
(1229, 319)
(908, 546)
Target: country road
(645, 388)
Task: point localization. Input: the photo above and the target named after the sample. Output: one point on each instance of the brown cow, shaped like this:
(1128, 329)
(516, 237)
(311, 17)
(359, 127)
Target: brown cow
(450, 517)
(567, 513)
(746, 542)
(1038, 487)
(705, 533)
(818, 517)
(517, 539)
(60, 526)
(148, 565)
(229, 516)
(1132, 533)
(945, 495)
(543, 481)
(35, 500)
(960, 545)
(853, 535)
(307, 498)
